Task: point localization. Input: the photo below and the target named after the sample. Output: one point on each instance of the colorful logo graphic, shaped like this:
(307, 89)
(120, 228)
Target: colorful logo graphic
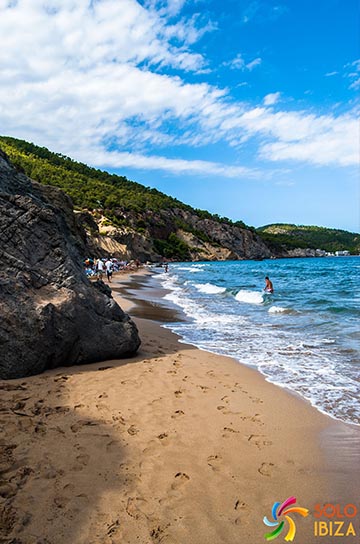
(278, 510)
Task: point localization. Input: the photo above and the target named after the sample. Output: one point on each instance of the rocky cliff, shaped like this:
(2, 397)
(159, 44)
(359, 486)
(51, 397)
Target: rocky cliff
(174, 234)
(51, 315)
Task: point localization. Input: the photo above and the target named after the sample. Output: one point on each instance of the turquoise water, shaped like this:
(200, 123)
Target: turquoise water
(304, 337)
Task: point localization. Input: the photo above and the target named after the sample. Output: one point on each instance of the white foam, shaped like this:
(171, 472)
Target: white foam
(277, 310)
(190, 268)
(209, 289)
(250, 297)
(298, 359)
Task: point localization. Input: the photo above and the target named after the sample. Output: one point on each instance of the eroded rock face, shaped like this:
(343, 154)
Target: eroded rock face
(50, 313)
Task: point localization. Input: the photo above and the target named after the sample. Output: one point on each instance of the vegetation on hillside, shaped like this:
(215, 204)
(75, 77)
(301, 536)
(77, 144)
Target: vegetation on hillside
(88, 187)
(122, 202)
(91, 188)
(125, 203)
(294, 236)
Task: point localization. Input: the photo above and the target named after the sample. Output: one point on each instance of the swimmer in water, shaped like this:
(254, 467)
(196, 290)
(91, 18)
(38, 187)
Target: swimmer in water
(269, 286)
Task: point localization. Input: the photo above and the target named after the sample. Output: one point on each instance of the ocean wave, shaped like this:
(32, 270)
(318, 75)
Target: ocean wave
(277, 310)
(250, 297)
(189, 268)
(303, 350)
(209, 288)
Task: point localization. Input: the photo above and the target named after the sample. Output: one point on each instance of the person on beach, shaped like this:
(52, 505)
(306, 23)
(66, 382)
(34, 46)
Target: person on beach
(100, 269)
(269, 286)
(109, 269)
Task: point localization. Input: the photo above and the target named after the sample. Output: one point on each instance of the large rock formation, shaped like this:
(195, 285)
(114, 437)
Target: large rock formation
(206, 239)
(50, 313)
(226, 242)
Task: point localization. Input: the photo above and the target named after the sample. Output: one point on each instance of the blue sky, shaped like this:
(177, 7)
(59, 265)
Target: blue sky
(248, 108)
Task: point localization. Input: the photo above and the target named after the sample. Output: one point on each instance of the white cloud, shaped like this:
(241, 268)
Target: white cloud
(271, 99)
(300, 136)
(330, 74)
(256, 62)
(353, 73)
(355, 84)
(262, 12)
(139, 161)
(81, 76)
(238, 63)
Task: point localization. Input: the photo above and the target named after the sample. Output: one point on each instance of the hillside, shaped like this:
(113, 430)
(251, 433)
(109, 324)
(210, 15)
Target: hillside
(300, 236)
(125, 218)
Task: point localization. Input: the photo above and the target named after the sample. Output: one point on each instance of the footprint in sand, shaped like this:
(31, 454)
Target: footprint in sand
(151, 448)
(180, 479)
(158, 534)
(178, 393)
(61, 502)
(113, 527)
(228, 431)
(82, 460)
(49, 472)
(227, 412)
(80, 424)
(61, 378)
(69, 487)
(256, 400)
(119, 420)
(133, 506)
(258, 440)
(240, 505)
(254, 419)
(238, 385)
(203, 388)
(132, 430)
(11, 387)
(7, 490)
(214, 461)
(266, 469)
(177, 413)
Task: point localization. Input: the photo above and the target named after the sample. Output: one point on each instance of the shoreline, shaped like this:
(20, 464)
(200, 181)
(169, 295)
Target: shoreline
(161, 313)
(339, 440)
(173, 445)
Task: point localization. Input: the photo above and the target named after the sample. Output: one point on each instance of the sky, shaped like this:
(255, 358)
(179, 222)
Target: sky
(247, 108)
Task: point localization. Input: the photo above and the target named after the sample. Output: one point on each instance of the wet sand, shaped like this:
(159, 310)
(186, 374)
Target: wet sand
(175, 445)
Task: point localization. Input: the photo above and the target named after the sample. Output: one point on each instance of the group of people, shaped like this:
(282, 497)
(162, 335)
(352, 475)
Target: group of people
(106, 266)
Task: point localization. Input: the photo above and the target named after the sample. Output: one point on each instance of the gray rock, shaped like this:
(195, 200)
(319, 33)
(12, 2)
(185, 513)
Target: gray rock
(50, 313)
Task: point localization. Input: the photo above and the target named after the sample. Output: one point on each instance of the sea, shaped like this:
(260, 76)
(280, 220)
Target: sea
(304, 337)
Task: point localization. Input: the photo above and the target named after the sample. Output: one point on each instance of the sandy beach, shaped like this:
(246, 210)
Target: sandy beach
(175, 445)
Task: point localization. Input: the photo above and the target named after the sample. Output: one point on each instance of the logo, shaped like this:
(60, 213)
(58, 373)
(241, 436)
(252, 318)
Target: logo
(283, 509)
